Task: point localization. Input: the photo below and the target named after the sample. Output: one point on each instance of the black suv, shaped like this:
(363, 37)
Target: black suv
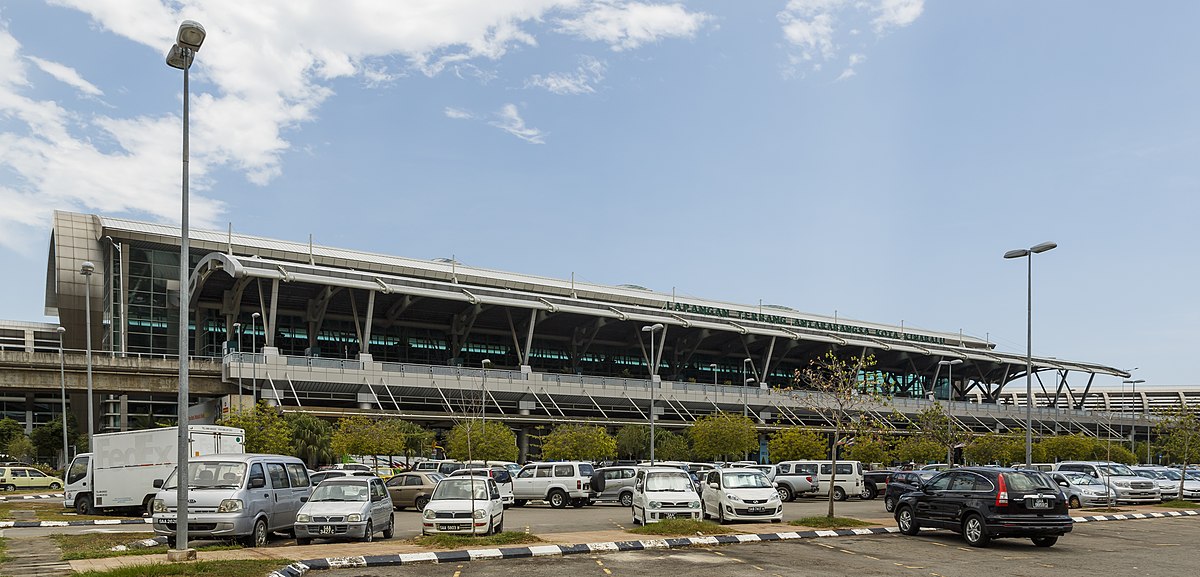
(902, 482)
(986, 502)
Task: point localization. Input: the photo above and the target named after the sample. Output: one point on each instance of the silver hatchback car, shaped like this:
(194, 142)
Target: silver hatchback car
(346, 508)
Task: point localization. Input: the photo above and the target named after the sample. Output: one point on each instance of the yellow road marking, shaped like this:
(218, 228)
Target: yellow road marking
(870, 557)
(717, 553)
(848, 552)
(938, 544)
(757, 567)
(827, 546)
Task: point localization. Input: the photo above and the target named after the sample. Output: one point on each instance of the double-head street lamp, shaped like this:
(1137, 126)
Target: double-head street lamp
(653, 362)
(1027, 253)
(86, 270)
(187, 42)
(950, 398)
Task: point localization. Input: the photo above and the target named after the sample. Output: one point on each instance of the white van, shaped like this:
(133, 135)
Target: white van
(664, 493)
(849, 476)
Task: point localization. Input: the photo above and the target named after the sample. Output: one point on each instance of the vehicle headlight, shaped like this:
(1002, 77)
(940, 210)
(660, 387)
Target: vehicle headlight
(655, 504)
(1122, 484)
(303, 518)
(480, 513)
(354, 517)
(428, 513)
(733, 497)
(230, 506)
(159, 506)
(694, 505)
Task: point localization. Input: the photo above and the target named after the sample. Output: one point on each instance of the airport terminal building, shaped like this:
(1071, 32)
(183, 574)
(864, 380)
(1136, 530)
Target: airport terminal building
(335, 331)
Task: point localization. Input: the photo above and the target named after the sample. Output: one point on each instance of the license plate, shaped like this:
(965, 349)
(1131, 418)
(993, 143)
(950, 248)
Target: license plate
(756, 509)
(1039, 503)
(326, 530)
(450, 527)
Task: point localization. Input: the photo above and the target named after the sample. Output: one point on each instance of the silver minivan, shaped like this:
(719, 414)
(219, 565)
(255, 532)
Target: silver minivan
(243, 496)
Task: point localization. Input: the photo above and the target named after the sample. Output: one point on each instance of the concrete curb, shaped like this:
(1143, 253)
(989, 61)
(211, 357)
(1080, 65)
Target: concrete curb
(6, 498)
(299, 568)
(31, 524)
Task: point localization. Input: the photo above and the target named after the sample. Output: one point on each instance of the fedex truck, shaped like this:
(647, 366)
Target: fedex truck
(120, 470)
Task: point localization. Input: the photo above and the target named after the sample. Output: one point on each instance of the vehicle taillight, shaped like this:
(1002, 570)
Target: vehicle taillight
(578, 484)
(1002, 493)
(809, 478)
(887, 480)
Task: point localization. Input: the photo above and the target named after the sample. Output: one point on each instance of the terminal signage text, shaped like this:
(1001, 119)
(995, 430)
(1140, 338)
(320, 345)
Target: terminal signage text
(800, 323)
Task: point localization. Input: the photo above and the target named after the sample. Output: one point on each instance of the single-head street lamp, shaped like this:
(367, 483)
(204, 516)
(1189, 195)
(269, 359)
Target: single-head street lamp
(1138, 417)
(237, 328)
(749, 382)
(486, 364)
(713, 366)
(254, 359)
(62, 379)
(119, 334)
(653, 362)
(187, 42)
(86, 270)
(949, 398)
(1027, 254)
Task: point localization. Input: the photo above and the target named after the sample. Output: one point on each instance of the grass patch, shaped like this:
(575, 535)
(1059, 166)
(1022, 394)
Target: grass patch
(48, 510)
(1178, 504)
(679, 527)
(240, 568)
(829, 522)
(97, 545)
(4, 550)
(443, 541)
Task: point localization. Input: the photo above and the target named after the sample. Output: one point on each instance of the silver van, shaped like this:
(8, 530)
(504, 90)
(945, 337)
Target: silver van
(617, 484)
(243, 496)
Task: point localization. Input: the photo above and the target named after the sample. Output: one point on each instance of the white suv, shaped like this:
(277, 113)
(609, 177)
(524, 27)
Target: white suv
(558, 483)
(1125, 485)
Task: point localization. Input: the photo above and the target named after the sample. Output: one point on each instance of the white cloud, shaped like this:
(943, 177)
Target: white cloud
(66, 75)
(265, 69)
(590, 71)
(846, 74)
(457, 113)
(628, 25)
(510, 121)
(819, 29)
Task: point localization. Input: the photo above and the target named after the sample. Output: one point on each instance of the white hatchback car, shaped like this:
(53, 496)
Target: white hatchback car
(663, 493)
(740, 495)
(464, 506)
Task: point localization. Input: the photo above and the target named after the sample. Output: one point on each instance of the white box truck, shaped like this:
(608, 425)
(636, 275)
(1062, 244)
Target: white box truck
(120, 470)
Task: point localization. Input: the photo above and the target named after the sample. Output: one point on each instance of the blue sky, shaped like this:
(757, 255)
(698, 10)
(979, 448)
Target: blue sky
(869, 158)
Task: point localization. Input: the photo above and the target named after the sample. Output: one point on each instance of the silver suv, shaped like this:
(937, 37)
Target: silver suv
(617, 485)
(1123, 485)
(559, 484)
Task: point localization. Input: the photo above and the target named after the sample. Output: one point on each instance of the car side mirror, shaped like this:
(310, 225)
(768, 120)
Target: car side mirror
(1064, 484)
(775, 484)
(257, 482)
(495, 496)
(714, 486)
(158, 483)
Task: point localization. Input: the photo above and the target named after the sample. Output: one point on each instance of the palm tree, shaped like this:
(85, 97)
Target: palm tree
(311, 439)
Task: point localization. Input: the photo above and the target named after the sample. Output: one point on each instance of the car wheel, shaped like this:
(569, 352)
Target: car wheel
(500, 525)
(785, 493)
(171, 542)
(390, 530)
(83, 505)
(907, 522)
(577, 503)
(369, 533)
(867, 494)
(258, 537)
(889, 504)
(975, 532)
(10, 487)
(557, 499)
(721, 514)
(399, 507)
(839, 494)
(1074, 502)
(303, 541)
(626, 499)
(518, 502)
(1045, 541)
(421, 502)
(55, 486)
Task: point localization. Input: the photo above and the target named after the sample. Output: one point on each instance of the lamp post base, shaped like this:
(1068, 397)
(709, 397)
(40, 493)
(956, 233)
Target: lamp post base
(181, 555)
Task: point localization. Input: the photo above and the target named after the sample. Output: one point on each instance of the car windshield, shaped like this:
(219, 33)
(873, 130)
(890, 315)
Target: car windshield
(1116, 469)
(334, 491)
(1022, 481)
(745, 480)
(1081, 479)
(1168, 474)
(211, 475)
(460, 488)
(669, 482)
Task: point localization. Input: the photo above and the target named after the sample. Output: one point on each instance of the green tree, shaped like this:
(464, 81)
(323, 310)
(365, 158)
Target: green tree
(353, 435)
(21, 448)
(839, 389)
(9, 429)
(578, 443)
(633, 441)
(671, 446)
(994, 449)
(406, 438)
(47, 437)
(266, 429)
(934, 424)
(723, 435)
(795, 443)
(312, 439)
(1072, 447)
(918, 449)
(1179, 436)
(870, 450)
(471, 439)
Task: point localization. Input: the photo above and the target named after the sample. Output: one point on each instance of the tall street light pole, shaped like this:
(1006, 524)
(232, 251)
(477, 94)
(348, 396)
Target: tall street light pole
(254, 360)
(62, 380)
(119, 334)
(86, 270)
(187, 42)
(1027, 254)
(486, 364)
(1138, 417)
(653, 362)
(713, 366)
(237, 327)
(745, 385)
(949, 399)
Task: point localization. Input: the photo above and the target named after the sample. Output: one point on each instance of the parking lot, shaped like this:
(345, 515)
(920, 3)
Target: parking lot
(1141, 547)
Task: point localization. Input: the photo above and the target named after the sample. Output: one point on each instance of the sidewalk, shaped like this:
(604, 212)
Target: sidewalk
(392, 547)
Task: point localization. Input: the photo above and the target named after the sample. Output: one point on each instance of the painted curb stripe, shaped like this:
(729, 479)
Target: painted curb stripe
(299, 568)
(7, 498)
(35, 524)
